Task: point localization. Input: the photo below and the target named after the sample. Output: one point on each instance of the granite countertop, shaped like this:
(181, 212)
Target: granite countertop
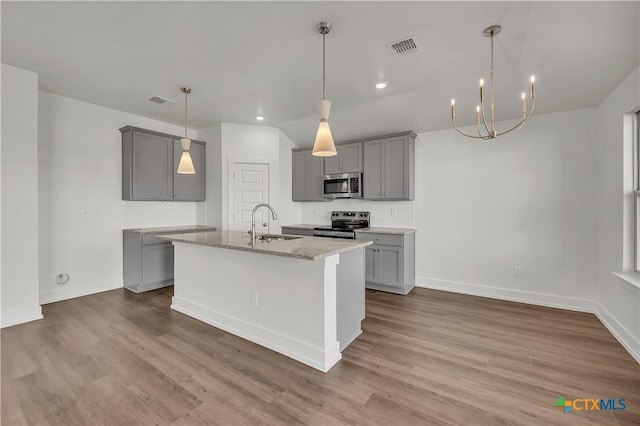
(399, 231)
(309, 248)
(302, 226)
(170, 229)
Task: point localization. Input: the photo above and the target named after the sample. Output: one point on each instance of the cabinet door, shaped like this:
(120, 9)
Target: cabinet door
(313, 178)
(373, 179)
(370, 263)
(332, 164)
(351, 157)
(396, 158)
(299, 159)
(157, 263)
(189, 187)
(152, 167)
(389, 262)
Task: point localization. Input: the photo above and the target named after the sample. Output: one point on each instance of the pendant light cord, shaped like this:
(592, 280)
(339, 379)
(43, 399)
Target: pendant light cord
(324, 92)
(185, 114)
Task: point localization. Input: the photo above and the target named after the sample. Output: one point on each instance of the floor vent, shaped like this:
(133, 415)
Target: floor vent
(405, 47)
(161, 100)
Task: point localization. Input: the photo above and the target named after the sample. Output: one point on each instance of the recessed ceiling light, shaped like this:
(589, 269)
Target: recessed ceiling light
(381, 85)
(259, 118)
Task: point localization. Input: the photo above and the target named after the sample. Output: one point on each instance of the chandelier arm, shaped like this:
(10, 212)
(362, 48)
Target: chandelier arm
(464, 134)
(517, 127)
(484, 121)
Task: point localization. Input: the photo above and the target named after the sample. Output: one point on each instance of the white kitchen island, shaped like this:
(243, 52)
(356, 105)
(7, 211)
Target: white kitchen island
(303, 297)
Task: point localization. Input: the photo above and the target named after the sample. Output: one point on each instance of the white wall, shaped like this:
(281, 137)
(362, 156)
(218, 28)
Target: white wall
(255, 144)
(213, 204)
(619, 300)
(483, 208)
(19, 194)
(81, 212)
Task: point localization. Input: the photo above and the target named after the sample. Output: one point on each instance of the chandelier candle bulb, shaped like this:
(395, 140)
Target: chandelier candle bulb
(524, 103)
(478, 114)
(533, 88)
(481, 90)
(453, 108)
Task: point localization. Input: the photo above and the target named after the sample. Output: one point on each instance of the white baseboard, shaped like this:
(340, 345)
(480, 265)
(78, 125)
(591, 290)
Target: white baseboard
(64, 292)
(626, 339)
(20, 316)
(312, 356)
(529, 297)
(620, 332)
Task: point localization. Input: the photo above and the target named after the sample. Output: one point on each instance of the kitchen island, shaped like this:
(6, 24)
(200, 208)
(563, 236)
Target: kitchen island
(302, 297)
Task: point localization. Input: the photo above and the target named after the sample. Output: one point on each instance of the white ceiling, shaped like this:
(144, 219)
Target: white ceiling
(245, 58)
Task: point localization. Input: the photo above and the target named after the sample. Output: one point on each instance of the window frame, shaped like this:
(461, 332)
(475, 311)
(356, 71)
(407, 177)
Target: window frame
(636, 192)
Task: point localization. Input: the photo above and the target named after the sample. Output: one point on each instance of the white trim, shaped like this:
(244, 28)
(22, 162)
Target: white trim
(620, 332)
(629, 278)
(529, 297)
(64, 293)
(312, 356)
(630, 342)
(20, 316)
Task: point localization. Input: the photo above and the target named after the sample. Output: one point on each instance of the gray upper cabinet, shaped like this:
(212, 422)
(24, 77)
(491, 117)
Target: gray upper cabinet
(307, 176)
(149, 163)
(189, 187)
(348, 160)
(389, 167)
(151, 158)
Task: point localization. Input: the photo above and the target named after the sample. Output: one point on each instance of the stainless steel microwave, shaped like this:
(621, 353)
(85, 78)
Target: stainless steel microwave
(342, 185)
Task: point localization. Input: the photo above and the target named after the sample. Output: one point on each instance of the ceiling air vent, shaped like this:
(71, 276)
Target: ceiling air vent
(161, 100)
(405, 47)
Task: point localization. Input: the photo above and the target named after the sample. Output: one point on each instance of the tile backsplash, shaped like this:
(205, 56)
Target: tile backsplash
(395, 214)
(151, 214)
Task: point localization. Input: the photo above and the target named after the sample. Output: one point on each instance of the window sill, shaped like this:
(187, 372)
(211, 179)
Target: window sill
(630, 278)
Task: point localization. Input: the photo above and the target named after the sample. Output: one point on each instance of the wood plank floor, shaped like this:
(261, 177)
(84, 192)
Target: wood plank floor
(118, 358)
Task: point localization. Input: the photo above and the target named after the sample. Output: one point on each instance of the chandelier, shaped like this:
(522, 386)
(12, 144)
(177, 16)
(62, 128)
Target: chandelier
(488, 130)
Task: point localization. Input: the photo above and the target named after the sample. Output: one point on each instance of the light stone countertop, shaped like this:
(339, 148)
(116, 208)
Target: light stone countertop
(398, 231)
(309, 248)
(170, 229)
(302, 226)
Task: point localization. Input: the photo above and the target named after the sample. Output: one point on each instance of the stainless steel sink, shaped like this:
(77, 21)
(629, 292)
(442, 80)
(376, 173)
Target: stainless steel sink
(272, 237)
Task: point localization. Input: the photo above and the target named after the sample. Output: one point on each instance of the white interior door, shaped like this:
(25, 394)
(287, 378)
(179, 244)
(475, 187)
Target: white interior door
(249, 187)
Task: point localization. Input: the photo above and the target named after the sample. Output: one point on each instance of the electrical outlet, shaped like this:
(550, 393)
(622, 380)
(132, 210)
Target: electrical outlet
(253, 298)
(517, 271)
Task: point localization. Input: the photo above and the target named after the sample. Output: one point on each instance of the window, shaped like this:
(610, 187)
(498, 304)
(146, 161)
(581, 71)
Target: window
(636, 190)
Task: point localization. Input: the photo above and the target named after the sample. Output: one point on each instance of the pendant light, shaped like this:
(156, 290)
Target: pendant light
(488, 130)
(323, 145)
(185, 167)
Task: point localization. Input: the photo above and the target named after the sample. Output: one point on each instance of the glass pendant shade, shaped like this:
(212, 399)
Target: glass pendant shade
(324, 145)
(185, 167)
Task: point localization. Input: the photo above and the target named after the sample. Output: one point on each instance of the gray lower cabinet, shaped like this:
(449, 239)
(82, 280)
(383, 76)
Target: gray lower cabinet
(348, 160)
(148, 260)
(389, 167)
(149, 167)
(389, 261)
(297, 231)
(307, 176)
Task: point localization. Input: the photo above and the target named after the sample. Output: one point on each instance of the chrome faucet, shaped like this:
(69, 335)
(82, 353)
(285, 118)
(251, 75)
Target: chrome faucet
(253, 218)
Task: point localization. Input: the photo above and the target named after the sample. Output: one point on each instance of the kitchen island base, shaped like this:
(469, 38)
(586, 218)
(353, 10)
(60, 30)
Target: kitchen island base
(307, 310)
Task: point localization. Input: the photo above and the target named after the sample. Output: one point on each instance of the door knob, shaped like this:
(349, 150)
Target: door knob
(264, 224)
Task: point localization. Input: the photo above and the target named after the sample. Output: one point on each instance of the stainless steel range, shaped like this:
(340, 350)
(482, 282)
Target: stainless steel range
(343, 225)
